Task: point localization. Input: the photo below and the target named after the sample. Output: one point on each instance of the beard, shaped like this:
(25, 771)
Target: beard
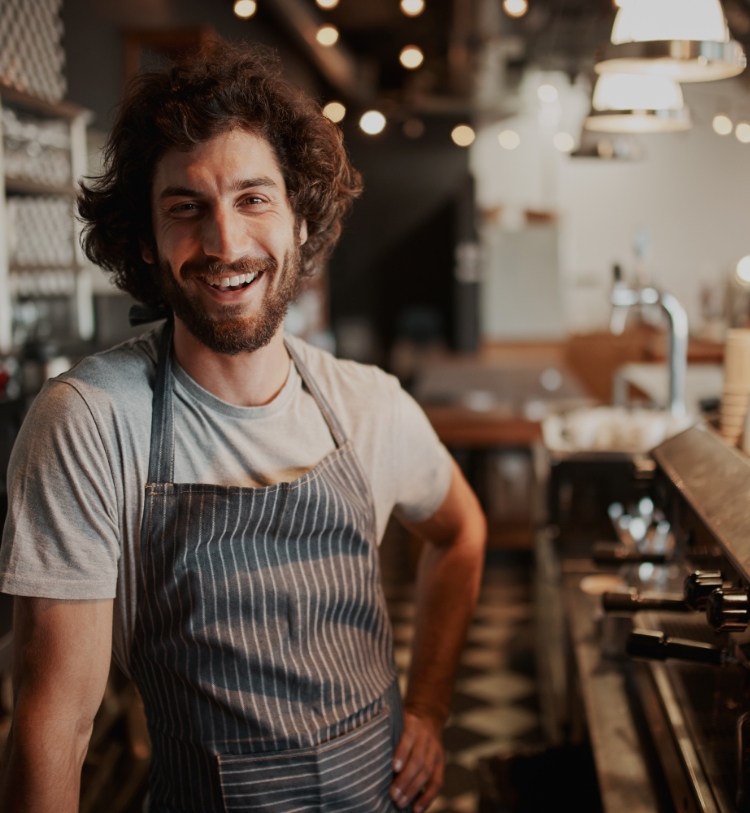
(231, 332)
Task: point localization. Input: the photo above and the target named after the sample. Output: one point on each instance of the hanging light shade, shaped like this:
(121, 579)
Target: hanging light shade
(622, 91)
(629, 103)
(685, 40)
(649, 20)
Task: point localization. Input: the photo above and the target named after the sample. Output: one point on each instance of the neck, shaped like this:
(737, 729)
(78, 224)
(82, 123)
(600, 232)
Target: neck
(247, 379)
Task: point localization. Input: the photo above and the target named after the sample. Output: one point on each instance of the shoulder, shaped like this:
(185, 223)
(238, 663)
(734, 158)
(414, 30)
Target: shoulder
(347, 383)
(346, 379)
(123, 370)
(105, 394)
(119, 366)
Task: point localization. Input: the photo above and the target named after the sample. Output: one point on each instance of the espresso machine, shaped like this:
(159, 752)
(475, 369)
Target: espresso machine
(654, 663)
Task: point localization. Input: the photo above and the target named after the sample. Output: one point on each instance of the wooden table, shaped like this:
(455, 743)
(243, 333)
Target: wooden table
(458, 426)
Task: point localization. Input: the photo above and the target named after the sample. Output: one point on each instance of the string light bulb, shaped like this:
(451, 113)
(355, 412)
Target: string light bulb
(722, 124)
(335, 111)
(412, 8)
(463, 135)
(411, 57)
(245, 9)
(372, 122)
(327, 35)
(515, 8)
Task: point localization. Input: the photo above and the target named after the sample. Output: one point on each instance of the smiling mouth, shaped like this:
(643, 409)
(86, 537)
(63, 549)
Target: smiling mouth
(233, 283)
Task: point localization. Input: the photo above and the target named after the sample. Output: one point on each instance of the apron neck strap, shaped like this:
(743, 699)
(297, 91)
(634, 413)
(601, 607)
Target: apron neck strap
(161, 461)
(329, 415)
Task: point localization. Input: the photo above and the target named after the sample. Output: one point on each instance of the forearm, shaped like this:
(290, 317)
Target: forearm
(61, 652)
(41, 764)
(447, 590)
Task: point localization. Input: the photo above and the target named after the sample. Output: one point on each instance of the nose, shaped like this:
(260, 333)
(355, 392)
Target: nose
(225, 236)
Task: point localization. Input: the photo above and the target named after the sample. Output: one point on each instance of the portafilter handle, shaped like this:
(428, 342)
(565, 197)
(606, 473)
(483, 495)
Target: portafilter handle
(607, 554)
(728, 609)
(636, 602)
(698, 588)
(655, 645)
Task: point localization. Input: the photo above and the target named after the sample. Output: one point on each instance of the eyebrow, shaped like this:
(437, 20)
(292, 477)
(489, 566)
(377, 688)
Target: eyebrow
(186, 192)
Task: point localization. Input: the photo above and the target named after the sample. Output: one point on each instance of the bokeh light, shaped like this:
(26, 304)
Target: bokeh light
(327, 35)
(463, 135)
(335, 111)
(245, 8)
(372, 122)
(509, 139)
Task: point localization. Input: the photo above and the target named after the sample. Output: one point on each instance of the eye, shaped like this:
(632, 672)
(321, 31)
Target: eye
(186, 208)
(253, 200)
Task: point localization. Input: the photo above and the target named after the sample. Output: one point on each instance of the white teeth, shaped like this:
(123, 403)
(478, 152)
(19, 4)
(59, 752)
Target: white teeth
(231, 282)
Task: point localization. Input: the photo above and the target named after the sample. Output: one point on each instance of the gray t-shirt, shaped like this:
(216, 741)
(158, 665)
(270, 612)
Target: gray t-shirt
(78, 470)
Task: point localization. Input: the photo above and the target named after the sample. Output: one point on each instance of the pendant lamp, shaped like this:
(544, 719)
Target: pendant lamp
(684, 40)
(628, 103)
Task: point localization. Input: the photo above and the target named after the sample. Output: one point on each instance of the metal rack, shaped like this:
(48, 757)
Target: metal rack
(43, 152)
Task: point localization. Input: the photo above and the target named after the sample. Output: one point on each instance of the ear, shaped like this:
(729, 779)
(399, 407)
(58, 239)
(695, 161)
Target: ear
(146, 253)
(303, 232)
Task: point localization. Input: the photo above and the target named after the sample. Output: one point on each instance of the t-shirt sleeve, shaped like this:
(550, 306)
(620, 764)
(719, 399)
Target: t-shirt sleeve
(61, 536)
(425, 465)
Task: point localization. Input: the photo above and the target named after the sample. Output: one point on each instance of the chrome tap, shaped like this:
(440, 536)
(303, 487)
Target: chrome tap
(623, 298)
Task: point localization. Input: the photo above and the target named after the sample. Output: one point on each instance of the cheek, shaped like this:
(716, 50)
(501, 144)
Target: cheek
(177, 237)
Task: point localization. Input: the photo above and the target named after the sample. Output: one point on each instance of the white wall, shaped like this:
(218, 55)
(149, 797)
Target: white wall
(526, 271)
(691, 191)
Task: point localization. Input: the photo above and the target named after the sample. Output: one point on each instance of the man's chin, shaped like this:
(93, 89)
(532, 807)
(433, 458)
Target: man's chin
(231, 337)
(231, 328)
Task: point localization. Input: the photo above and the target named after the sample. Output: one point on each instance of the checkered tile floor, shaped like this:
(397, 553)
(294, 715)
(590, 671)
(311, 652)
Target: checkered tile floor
(494, 706)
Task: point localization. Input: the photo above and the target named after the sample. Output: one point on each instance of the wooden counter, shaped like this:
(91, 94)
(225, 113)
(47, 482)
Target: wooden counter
(458, 426)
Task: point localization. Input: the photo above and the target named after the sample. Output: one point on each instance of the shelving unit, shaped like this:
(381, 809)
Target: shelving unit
(43, 152)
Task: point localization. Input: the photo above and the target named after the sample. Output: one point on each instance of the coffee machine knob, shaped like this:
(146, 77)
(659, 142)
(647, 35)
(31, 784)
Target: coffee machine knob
(728, 610)
(700, 585)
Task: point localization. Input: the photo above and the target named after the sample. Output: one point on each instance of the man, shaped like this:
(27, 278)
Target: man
(240, 589)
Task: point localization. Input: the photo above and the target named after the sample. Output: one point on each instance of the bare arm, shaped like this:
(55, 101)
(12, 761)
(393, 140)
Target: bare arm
(61, 656)
(450, 569)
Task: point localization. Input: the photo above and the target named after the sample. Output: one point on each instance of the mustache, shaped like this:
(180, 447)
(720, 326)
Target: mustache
(214, 268)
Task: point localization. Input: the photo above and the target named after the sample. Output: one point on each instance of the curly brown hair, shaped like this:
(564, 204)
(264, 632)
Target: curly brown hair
(224, 87)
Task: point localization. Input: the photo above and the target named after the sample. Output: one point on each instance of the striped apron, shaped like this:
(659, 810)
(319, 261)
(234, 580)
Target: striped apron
(262, 646)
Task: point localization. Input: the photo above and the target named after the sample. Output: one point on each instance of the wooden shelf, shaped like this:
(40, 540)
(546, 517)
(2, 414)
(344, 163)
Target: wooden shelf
(42, 269)
(74, 119)
(64, 110)
(20, 186)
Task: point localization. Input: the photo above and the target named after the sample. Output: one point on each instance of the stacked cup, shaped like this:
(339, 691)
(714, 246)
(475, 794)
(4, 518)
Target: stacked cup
(736, 395)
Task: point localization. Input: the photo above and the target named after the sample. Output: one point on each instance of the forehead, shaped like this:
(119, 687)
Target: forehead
(219, 164)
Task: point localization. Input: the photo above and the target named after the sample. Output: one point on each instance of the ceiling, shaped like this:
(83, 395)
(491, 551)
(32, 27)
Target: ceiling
(553, 35)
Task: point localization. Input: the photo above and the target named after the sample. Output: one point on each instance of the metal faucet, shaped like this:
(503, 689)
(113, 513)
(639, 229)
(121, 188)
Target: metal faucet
(623, 298)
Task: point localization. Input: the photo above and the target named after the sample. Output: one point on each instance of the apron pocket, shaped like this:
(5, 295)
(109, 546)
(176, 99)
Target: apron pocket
(350, 774)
